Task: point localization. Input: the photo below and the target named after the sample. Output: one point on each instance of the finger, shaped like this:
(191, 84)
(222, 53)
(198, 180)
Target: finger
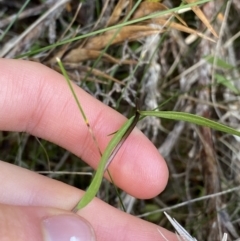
(45, 224)
(30, 189)
(42, 224)
(112, 224)
(37, 100)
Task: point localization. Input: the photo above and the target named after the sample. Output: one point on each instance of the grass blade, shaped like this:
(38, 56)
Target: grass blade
(198, 120)
(158, 14)
(78, 104)
(14, 20)
(111, 150)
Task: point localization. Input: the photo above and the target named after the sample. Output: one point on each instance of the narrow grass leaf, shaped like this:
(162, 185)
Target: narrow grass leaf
(198, 120)
(14, 20)
(227, 83)
(64, 72)
(158, 14)
(109, 153)
(219, 62)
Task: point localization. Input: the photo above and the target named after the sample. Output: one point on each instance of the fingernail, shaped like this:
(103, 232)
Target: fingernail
(67, 228)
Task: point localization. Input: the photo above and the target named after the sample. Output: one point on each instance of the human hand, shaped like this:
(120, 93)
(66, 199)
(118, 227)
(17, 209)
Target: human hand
(35, 99)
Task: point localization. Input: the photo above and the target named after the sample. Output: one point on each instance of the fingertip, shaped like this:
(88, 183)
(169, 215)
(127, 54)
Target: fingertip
(142, 163)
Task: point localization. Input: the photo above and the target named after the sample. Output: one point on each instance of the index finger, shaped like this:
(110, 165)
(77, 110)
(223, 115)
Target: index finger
(37, 100)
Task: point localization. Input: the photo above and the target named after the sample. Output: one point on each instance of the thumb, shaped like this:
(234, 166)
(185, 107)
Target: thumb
(42, 224)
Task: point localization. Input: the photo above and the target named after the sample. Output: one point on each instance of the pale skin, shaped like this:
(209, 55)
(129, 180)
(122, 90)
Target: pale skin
(37, 100)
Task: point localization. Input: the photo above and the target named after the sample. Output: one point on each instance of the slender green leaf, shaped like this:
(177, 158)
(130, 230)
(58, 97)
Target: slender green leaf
(158, 14)
(219, 62)
(199, 120)
(115, 150)
(14, 19)
(111, 150)
(227, 83)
